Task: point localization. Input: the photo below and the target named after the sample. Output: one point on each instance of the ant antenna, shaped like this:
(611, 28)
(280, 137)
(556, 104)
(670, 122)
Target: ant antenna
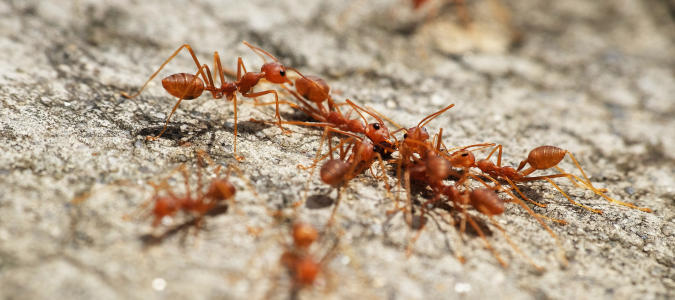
(383, 116)
(365, 111)
(430, 117)
(256, 49)
(356, 109)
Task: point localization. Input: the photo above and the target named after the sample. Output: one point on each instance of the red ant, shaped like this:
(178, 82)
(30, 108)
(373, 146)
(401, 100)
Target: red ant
(415, 141)
(343, 169)
(540, 158)
(186, 86)
(218, 191)
(433, 168)
(302, 266)
(316, 90)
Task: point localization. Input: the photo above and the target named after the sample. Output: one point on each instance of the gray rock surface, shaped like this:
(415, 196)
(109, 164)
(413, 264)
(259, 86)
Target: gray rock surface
(594, 77)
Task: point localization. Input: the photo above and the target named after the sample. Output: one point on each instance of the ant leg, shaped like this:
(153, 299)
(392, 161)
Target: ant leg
(309, 110)
(384, 175)
(493, 151)
(597, 191)
(194, 57)
(322, 110)
(548, 178)
(240, 66)
(151, 138)
(337, 203)
(537, 217)
(487, 244)
(316, 161)
(513, 185)
(276, 98)
(238, 158)
(584, 185)
(561, 252)
(411, 243)
(513, 245)
(408, 217)
(218, 68)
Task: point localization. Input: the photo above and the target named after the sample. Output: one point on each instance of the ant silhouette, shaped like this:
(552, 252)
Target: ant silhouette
(186, 86)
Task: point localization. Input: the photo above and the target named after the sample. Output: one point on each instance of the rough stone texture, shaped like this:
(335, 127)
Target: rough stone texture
(594, 77)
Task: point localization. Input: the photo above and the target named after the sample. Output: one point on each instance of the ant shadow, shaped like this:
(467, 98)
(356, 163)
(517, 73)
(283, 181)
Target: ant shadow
(420, 190)
(149, 239)
(319, 201)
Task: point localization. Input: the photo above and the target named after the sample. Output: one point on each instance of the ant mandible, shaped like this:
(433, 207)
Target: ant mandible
(186, 86)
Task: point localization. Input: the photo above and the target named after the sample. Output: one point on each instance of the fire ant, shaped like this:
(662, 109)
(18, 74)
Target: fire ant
(186, 86)
(540, 158)
(219, 191)
(339, 171)
(298, 260)
(432, 168)
(415, 141)
(316, 90)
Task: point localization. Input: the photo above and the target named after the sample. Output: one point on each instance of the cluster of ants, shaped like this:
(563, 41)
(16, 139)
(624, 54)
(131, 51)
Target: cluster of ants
(419, 157)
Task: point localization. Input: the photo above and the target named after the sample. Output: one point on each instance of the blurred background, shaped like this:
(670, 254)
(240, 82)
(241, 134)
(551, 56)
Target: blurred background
(593, 77)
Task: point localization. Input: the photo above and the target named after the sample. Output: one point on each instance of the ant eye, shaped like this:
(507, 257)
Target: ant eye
(425, 129)
(376, 126)
(282, 73)
(465, 154)
(405, 136)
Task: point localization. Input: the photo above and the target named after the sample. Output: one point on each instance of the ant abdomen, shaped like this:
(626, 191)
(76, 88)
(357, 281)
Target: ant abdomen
(312, 88)
(306, 270)
(438, 168)
(544, 157)
(178, 85)
(333, 171)
(487, 202)
(221, 189)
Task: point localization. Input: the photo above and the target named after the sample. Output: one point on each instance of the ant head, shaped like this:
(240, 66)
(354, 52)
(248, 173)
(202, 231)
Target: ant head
(378, 133)
(462, 159)
(419, 134)
(275, 72)
(438, 168)
(221, 189)
(365, 149)
(304, 235)
(312, 88)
